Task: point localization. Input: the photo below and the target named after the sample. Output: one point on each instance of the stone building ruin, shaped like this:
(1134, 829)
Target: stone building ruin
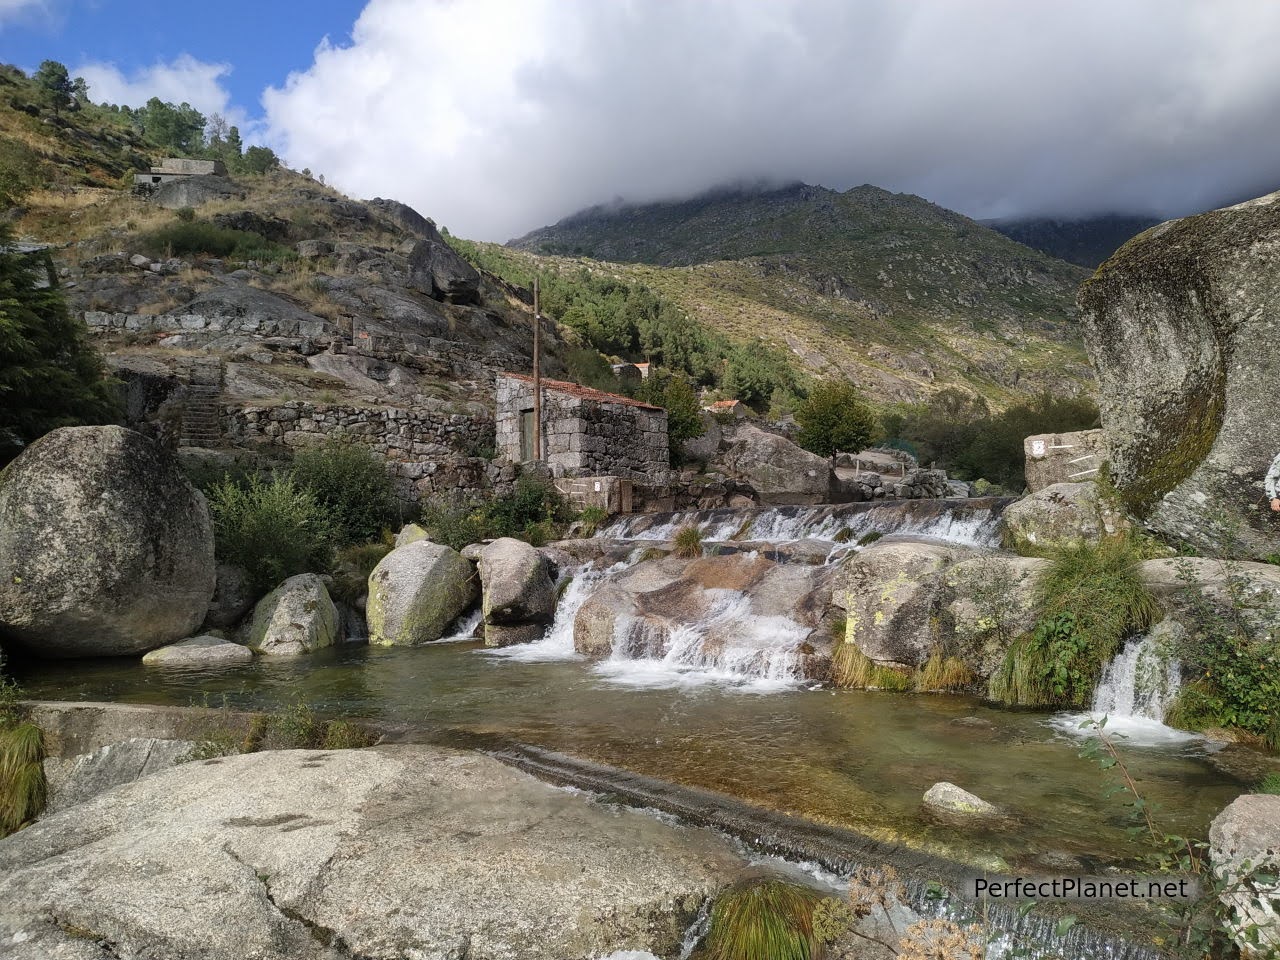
(585, 432)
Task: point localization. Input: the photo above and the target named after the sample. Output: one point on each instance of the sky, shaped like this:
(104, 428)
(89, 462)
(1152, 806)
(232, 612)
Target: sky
(495, 117)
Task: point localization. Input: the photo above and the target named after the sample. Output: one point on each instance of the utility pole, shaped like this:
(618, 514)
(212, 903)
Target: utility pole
(537, 375)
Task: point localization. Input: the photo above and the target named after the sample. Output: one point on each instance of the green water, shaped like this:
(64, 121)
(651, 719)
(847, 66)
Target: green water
(854, 759)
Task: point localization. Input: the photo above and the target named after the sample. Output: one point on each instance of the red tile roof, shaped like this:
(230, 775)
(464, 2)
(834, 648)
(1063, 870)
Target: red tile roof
(724, 405)
(584, 393)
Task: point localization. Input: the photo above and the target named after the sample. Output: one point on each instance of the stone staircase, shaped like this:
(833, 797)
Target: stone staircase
(202, 402)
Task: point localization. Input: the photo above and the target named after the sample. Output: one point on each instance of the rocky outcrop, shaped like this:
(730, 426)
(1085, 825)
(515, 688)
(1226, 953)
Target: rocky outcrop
(519, 598)
(194, 191)
(1183, 327)
(416, 591)
(439, 272)
(391, 852)
(1061, 515)
(892, 594)
(1063, 457)
(406, 218)
(202, 651)
(1245, 839)
(106, 549)
(778, 470)
(296, 617)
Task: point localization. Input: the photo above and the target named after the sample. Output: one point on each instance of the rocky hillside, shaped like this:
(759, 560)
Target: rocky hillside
(895, 292)
(1086, 242)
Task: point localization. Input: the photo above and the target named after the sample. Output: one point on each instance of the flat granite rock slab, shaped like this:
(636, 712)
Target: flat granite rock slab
(393, 852)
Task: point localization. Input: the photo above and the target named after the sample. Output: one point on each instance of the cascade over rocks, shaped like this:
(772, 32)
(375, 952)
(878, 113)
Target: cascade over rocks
(416, 591)
(519, 598)
(296, 617)
(106, 549)
(1183, 327)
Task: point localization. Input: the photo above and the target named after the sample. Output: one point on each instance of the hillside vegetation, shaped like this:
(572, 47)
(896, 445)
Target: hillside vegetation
(889, 290)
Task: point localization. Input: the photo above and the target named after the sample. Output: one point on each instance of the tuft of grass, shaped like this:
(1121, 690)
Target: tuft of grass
(591, 518)
(688, 543)
(942, 674)
(843, 535)
(1268, 784)
(23, 788)
(852, 668)
(764, 920)
(871, 536)
(1089, 600)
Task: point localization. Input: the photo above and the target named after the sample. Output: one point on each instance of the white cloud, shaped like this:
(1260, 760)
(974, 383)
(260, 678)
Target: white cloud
(21, 11)
(182, 80)
(496, 116)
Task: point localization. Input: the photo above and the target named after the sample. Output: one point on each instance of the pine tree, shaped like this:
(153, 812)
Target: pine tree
(53, 79)
(50, 375)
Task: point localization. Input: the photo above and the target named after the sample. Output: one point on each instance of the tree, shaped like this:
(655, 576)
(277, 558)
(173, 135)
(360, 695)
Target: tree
(834, 418)
(259, 160)
(676, 395)
(53, 80)
(50, 375)
(20, 171)
(179, 128)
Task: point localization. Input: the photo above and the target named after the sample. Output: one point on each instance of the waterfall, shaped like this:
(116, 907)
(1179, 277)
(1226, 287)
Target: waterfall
(974, 522)
(1140, 682)
(1133, 693)
(730, 644)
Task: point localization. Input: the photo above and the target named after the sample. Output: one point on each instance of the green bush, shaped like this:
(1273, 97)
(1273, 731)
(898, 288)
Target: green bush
(352, 568)
(1233, 652)
(675, 394)
(1268, 784)
(533, 512)
(764, 920)
(1088, 601)
(272, 528)
(835, 418)
(591, 518)
(351, 484)
(194, 237)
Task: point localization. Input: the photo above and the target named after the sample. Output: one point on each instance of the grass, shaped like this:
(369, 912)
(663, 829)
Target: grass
(688, 543)
(764, 919)
(853, 669)
(23, 788)
(591, 518)
(1269, 784)
(295, 727)
(1088, 601)
(943, 674)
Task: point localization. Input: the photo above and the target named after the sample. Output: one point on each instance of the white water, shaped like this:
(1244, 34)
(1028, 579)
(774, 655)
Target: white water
(729, 646)
(961, 524)
(1133, 693)
(557, 642)
(464, 628)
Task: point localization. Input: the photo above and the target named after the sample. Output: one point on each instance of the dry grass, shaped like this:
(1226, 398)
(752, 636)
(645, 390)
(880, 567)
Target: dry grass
(854, 670)
(943, 674)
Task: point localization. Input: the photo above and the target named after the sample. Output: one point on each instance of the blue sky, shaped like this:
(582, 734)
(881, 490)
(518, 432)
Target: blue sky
(261, 40)
(495, 117)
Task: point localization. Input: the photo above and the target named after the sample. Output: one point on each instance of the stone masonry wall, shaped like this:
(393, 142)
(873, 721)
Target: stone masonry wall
(429, 452)
(586, 433)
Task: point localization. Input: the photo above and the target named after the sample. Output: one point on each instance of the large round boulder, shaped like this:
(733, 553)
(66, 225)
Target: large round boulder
(778, 470)
(1181, 325)
(518, 592)
(296, 617)
(416, 591)
(1244, 846)
(106, 549)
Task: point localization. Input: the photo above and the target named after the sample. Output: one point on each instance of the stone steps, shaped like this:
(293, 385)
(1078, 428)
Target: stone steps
(202, 401)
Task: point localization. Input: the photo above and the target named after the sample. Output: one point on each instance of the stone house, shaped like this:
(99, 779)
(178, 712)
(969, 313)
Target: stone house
(585, 432)
(178, 168)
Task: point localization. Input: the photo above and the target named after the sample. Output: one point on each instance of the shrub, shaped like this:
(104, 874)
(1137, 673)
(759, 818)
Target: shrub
(688, 543)
(273, 529)
(193, 237)
(352, 569)
(591, 518)
(1234, 654)
(1089, 599)
(835, 417)
(764, 920)
(454, 524)
(533, 513)
(351, 484)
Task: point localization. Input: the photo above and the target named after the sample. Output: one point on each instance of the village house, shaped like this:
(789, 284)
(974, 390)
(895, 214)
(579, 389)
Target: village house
(585, 432)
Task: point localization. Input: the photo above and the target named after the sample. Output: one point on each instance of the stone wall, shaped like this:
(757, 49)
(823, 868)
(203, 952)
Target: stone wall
(1063, 457)
(429, 452)
(586, 432)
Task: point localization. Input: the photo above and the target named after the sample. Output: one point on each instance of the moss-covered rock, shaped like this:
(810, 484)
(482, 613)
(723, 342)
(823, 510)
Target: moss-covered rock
(296, 617)
(106, 549)
(416, 591)
(1183, 327)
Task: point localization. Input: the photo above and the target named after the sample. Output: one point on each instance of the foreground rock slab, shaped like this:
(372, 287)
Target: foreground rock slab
(386, 853)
